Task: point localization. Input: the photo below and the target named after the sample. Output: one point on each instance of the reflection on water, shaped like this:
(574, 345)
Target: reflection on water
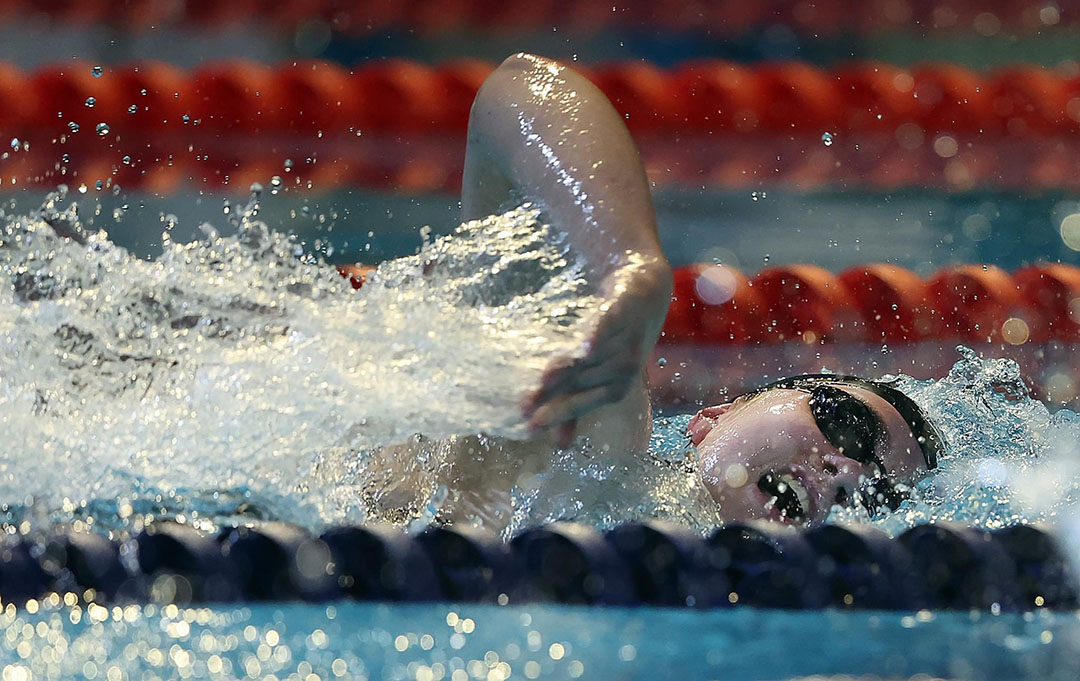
(444, 642)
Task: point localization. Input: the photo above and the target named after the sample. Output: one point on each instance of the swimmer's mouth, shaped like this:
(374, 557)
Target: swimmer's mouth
(786, 494)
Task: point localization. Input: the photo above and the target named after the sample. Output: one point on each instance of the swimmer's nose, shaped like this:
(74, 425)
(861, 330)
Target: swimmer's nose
(698, 428)
(703, 422)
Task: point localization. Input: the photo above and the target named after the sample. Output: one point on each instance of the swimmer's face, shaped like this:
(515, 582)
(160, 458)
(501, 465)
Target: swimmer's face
(766, 456)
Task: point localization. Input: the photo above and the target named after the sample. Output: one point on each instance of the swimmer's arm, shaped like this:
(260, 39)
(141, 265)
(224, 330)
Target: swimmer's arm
(541, 132)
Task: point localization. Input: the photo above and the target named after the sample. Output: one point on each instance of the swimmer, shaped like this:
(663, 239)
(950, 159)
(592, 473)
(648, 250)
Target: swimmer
(792, 449)
(542, 133)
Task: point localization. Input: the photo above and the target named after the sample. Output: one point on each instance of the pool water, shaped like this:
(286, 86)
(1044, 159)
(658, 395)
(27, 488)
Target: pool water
(237, 378)
(444, 641)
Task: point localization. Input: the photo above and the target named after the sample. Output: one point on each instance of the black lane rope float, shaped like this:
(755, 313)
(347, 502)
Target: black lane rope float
(652, 563)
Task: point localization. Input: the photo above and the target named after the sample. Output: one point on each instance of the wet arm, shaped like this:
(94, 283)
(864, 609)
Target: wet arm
(541, 132)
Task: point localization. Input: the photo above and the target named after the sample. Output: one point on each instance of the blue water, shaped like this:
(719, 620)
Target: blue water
(286, 363)
(443, 641)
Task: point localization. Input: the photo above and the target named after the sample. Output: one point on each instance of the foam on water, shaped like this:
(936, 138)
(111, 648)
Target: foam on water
(1009, 459)
(214, 378)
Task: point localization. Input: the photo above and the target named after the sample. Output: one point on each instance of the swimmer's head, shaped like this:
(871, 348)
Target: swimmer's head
(791, 450)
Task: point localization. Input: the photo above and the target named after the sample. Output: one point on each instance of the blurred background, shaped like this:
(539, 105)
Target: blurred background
(919, 134)
(956, 150)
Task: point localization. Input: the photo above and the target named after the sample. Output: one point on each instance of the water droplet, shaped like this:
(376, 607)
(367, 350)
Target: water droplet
(765, 258)
(65, 158)
(102, 129)
(186, 118)
(126, 160)
(82, 188)
(755, 196)
(143, 92)
(96, 71)
(275, 181)
(662, 362)
(15, 143)
(73, 127)
(132, 109)
(827, 139)
(288, 164)
(99, 185)
(90, 102)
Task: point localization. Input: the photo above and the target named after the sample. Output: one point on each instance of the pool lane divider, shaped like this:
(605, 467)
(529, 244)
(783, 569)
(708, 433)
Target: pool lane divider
(872, 303)
(400, 124)
(432, 18)
(943, 566)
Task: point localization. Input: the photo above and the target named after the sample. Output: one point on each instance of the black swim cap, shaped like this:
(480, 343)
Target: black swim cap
(929, 437)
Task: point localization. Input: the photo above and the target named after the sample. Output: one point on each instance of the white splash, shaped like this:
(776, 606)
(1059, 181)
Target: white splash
(1009, 459)
(214, 379)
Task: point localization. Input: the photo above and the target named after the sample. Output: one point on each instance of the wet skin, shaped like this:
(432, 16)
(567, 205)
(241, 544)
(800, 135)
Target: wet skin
(774, 434)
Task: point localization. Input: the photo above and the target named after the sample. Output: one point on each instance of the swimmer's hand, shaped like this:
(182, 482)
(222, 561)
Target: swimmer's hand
(636, 302)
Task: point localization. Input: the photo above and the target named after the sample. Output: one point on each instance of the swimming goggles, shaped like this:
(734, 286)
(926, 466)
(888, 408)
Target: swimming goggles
(852, 426)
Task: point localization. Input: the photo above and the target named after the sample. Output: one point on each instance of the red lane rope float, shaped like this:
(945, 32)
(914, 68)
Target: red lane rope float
(876, 303)
(398, 123)
(711, 96)
(363, 17)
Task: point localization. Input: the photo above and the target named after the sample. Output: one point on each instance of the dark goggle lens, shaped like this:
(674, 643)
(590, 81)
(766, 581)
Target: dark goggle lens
(847, 423)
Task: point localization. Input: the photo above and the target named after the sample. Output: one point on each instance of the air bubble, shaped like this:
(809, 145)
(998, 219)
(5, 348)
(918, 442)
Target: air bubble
(96, 71)
(126, 160)
(73, 127)
(102, 129)
(662, 362)
(15, 143)
(132, 109)
(827, 139)
(90, 102)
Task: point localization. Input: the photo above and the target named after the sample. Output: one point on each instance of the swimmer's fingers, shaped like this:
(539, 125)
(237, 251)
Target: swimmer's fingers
(568, 408)
(564, 434)
(566, 378)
